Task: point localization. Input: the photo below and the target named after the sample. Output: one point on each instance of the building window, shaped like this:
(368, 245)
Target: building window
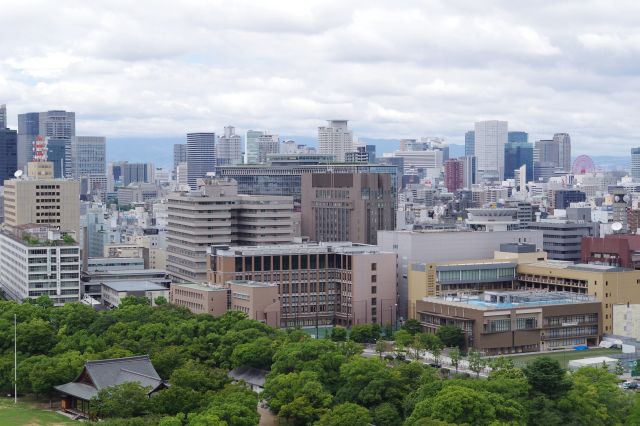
(374, 278)
(374, 289)
(374, 266)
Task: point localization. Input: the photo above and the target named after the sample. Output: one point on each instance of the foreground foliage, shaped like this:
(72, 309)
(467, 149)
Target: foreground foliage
(322, 382)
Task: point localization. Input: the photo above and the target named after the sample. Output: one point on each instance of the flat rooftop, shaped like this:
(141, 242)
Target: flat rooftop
(588, 267)
(134, 286)
(303, 248)
(199, 287)
(247, 283)
(494, 300)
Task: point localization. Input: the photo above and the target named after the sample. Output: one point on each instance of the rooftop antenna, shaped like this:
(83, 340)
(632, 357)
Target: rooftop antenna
(18, 174)
(616, 226)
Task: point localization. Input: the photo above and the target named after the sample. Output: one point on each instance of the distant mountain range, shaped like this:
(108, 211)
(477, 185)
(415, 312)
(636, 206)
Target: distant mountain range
(160, 150)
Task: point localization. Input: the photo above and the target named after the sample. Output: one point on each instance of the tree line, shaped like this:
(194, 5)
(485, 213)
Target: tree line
(310, 381)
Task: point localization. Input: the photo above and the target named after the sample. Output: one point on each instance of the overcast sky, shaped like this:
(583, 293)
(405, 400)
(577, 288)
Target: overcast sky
(393, 68)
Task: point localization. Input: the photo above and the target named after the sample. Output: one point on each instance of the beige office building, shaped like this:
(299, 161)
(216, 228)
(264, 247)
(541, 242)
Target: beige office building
(216, 215)
(42, 201)
(259, 301)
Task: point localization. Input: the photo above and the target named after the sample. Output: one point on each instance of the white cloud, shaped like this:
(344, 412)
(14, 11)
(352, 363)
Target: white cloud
(401, 69)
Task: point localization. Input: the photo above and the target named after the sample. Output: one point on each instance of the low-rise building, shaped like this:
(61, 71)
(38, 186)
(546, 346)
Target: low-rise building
(609, 284)
(498, 322)
(92, 281)
(114, 292)
(200, 298)
(260, 301)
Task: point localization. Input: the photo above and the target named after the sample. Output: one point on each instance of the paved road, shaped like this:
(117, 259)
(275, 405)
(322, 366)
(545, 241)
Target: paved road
(445, 361)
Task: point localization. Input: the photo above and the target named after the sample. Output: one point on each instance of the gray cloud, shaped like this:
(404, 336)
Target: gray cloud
(401, 69)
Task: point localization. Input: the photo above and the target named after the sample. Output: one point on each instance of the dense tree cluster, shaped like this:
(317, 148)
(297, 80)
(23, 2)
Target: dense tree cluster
(310, 381)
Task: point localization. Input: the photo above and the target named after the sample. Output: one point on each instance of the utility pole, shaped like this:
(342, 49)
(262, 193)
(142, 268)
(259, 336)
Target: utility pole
(15, 359)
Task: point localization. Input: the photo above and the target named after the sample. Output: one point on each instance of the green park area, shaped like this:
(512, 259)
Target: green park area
(563, 357)
(29, 414)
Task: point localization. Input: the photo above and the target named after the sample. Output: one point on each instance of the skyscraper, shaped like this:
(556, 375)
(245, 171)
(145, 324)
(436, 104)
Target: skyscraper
(201, 156)
(8, 153)
(229, 148)
(3, 116)
(517, 154)
(54, 124)
(517, 137)
(267, 144)
(490, 139)
(179, 154)
(57, 151)
(252, 147)
(564, 151)
(635, 163)
(88, 159)
(470, 143)
(335, 138)
(547, 151)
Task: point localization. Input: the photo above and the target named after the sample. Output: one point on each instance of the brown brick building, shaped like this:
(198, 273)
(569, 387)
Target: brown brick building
(347, 206)
(324, 284)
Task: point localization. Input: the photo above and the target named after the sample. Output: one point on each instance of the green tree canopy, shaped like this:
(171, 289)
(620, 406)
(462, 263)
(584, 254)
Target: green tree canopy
(346, 414)
(451, 336)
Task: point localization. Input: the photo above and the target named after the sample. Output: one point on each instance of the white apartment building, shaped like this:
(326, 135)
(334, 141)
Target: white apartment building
(490, 139)
(335, 138)
(32, 268)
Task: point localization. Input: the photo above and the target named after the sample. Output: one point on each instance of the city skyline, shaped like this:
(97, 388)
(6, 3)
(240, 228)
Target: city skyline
(287, 67)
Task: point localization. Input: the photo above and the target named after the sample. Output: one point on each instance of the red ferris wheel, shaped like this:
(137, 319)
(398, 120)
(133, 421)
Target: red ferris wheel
(583, 164)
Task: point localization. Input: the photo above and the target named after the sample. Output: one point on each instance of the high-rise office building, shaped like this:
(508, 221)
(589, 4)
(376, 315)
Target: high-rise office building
(88, 159)
(54, 124)
(547, 151)
(335, 138)
(347, 206)
(470, 143)
(635, 163)
(490, 139)
(517, 137)
(229, 148)
(468, 171)
(454, 174)
(267, 144)
(58, 152)
(517, 154)
(54, 202)
(564, 151)
(201, 156)
(216, 215)
(3, 117)
(252, 147)
(179, 154)
(8, 153)
(137, 173)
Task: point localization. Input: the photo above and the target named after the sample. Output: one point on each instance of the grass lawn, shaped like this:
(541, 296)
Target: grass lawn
(28, 414)
(564, 357)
